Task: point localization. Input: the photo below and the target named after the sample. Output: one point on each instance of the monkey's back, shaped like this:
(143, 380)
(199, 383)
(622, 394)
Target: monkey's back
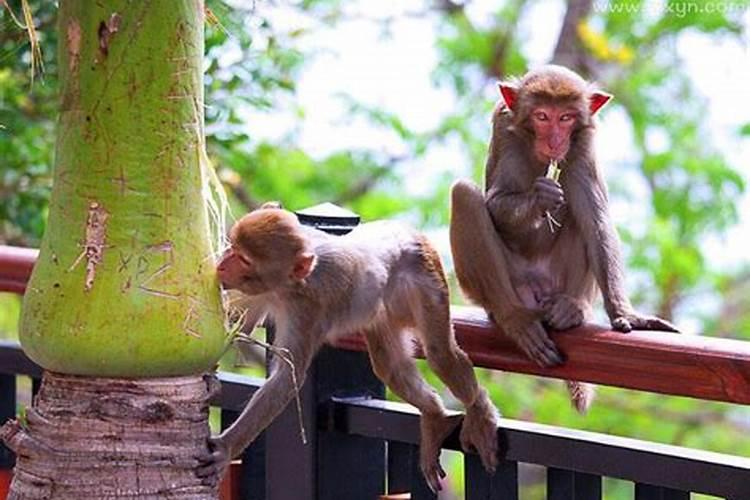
(373, 273)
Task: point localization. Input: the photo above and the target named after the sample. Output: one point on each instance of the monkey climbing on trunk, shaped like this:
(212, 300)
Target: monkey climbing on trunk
(532, 249)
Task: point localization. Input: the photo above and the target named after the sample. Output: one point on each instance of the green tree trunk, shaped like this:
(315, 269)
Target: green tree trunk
(125, 283)
(124, 288)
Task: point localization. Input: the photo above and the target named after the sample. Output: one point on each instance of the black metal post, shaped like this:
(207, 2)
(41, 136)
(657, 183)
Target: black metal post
(570, 485)
(7, 412)
(331, 465)
(252, 484)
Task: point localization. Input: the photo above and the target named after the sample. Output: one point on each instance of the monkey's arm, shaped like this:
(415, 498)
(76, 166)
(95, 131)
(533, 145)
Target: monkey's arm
(265, 405)
(589, 205)
(513, 213)
(519, 213)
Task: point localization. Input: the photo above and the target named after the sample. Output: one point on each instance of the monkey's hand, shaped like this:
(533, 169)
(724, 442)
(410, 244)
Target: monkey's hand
(562, 312)
(635, 321)
(213, 463)
(479, 431)
(529, 334)
(548, 194)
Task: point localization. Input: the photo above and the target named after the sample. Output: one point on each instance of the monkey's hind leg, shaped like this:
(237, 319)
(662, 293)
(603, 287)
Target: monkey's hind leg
(482, 271)
(452, 365)
(395, 367)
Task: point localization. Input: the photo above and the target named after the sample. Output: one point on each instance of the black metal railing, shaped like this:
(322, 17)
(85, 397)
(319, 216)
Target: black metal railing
(362, 447)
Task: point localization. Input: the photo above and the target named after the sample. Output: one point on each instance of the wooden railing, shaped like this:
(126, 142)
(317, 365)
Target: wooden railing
(364, 446)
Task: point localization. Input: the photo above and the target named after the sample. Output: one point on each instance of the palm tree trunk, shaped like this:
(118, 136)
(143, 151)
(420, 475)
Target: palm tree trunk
(94, 438)
(123, 307)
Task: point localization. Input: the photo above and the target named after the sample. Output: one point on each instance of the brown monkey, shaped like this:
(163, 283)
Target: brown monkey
(523, 270)
(381, 279)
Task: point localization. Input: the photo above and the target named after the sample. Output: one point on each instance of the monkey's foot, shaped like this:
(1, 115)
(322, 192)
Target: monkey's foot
(479, 431)
(635, 321)
(562, 312)
(536, 344)
(434, 429)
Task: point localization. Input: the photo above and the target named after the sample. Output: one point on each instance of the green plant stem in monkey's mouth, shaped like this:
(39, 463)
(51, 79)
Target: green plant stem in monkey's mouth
(553, 172)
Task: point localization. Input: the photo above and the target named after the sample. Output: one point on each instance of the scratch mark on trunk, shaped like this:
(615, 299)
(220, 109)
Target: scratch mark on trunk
(94, 244)
(74, 45)
(167, 248)
(191, 317)
(106, 32)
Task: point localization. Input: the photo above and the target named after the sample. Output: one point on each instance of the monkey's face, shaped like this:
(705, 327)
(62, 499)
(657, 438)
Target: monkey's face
(237, 270)
(553, 128)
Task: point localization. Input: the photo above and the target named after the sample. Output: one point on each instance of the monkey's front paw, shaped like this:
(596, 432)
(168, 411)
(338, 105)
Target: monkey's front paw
(548, 194)
(213, 462)
(631, 322)
(563, 312)
(537, 345)
(621, 324)
(479, 432)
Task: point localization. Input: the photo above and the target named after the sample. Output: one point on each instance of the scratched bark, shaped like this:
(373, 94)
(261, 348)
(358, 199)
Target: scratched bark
(125, 283)
(124, 293)
(94, 438)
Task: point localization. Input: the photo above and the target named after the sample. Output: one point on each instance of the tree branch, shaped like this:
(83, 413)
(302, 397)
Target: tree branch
(569, 51)
(367, 183)
(232, 181)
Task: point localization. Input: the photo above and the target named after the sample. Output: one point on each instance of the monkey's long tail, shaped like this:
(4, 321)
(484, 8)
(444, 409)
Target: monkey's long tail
(581, 395)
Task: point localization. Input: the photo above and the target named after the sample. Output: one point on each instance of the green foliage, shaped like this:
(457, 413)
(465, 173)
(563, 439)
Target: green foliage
(27, 117)
(10, 309)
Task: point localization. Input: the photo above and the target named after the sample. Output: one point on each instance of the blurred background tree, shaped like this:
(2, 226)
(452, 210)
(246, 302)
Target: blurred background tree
(289, 118)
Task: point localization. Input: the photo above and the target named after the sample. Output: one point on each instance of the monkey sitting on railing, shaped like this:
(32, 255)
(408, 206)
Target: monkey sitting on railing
(535, 246)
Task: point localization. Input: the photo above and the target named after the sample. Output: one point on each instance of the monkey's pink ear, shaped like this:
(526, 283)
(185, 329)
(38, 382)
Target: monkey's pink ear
(303, 265)
(509, 93)
(597, 101)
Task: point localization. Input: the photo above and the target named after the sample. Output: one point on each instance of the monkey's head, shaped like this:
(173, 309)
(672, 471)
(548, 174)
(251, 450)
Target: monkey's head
(550, 106)
(268, 250)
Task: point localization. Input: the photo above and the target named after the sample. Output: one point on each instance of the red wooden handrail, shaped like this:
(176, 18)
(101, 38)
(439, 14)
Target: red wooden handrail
(15, 267)
(686, 365)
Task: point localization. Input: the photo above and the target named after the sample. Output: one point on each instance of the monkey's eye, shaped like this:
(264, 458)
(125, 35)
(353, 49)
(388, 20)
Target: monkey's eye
(567, 117)
(541, 116)
(244, 259)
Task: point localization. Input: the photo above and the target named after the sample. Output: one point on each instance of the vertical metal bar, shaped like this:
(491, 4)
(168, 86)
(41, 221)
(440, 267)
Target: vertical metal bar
(286, 446)
(569, 485)
(347, 466)
(36, 384)
(417, 484)
(252, 482)
(502, 485)
(285, 449)
(7, 411)
(404, 473)
(649, 492)
(400, 458)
